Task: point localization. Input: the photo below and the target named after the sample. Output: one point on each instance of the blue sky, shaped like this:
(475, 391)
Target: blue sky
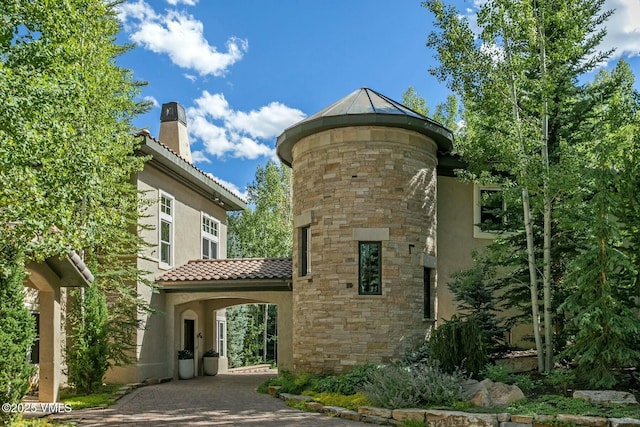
(245, 70)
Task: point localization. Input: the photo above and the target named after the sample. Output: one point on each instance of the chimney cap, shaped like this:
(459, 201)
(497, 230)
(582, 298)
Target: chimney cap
(173, 112)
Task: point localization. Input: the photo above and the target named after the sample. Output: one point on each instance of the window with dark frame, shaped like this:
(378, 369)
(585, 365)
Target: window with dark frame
(369, 268)
(427, 294)
(305, 251)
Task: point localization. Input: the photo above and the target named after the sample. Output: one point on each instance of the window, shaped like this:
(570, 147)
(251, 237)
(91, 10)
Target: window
(221, 327)
(305, 251)
(370, 268)
(166, 229)
(427, 294)
(210, 229)
(489, 212)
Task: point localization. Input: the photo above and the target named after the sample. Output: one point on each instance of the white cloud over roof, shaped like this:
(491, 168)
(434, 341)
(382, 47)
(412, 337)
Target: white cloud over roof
(225, 131)
(180, 36)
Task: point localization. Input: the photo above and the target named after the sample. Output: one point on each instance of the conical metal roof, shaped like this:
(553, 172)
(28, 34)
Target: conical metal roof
(363, 107)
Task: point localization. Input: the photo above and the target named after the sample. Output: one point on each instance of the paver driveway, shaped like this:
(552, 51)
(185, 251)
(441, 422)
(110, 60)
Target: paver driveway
(223, 400)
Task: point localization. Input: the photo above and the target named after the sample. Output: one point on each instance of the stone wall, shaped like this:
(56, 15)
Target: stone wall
(353, 184)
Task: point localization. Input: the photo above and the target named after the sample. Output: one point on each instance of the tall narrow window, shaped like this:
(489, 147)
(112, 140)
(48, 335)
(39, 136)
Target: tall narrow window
(166, 228)
(305, 251)
(428, 314)
(210, 229)
(222, 336)
(370, 268)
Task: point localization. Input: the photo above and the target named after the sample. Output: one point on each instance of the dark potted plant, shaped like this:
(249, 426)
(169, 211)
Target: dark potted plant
(210, 361)
(186, 367)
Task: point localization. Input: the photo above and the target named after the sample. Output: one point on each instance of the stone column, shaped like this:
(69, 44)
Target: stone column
(50, 357)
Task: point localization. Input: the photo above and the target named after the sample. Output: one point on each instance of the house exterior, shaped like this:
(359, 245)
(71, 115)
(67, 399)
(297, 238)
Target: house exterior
(380, 226)
(185, 219)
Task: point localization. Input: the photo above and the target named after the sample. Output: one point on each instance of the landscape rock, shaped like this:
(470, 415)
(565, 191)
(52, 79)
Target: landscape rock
(503, 417)
(512, 424)
(409, 414)
(624, 422)
(487, 393)
(581, 420)
(315, 406)
(437, 418)
(606, 397)
(295, 397)
(376, 412)
(372, 419)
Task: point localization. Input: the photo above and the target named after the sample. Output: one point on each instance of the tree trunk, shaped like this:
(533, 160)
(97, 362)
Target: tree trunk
(546, 247)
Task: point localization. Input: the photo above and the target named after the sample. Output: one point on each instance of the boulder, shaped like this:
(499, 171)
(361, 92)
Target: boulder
(606, 397)
(487, 393)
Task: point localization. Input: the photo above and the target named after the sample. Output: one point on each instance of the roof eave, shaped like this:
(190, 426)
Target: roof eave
(226, 285)
(189, 176)
(285, 142)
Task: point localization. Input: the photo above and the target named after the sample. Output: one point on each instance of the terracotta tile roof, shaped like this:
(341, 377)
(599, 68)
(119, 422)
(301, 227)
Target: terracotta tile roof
(146, 134)
(230, 269)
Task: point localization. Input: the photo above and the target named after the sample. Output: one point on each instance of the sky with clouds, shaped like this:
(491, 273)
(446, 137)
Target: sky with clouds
(246, 70)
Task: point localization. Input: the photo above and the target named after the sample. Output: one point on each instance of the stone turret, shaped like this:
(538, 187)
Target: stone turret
(365, 244)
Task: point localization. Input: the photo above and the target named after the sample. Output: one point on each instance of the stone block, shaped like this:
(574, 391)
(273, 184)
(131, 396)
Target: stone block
(522, 419)
(512, 424)
(315, 406)
(377, 412)
(606, 397)
(624, 422)
(409, 414)
(273, 389)
(372, 419)
(437, 418)
(581, 420)
(503, 417)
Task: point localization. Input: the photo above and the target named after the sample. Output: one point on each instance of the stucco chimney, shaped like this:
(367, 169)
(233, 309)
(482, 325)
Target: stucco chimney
(173, 129)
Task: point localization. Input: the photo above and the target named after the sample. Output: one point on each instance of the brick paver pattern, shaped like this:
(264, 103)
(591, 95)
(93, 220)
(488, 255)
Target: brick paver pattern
(223, 400)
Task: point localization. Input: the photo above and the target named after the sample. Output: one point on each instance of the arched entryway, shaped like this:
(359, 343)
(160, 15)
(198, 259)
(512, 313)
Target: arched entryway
(202, 312)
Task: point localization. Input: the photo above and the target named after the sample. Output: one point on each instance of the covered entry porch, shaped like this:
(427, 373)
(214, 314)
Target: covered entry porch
(197, 293)
(49, 278)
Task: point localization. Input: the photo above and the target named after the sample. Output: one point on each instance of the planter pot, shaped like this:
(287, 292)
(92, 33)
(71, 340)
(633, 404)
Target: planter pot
(185, 369)
(210, 365)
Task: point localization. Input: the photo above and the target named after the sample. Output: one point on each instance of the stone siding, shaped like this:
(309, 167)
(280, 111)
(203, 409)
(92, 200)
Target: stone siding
(358, 178)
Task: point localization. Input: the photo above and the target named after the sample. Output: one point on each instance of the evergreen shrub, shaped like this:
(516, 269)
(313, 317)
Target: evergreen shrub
(459, 345)
(17, 332)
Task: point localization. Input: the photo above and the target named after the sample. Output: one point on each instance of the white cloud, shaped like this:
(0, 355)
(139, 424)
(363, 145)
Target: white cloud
(190, 77)
(180, 36)
(152, 100)
(224, 131)
(199, 157)
(187, 2)
(623, 28)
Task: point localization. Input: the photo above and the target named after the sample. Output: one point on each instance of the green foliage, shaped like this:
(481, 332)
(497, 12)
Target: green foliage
(554, 405)
(17, 332)
(497, 373)
(265, 231)
(603, 276)
(459, 345)
(346, 384)
(560, 380)
(290, 383)
(102, 396)
(237, 324)
(88, 353)
(66, 151)
(478, 295)
(413, 423)
(352, 401)
(419, 356)
(396, 386)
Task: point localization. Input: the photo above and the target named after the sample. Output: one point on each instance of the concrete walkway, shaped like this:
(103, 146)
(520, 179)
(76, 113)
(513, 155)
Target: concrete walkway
(223, 400)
